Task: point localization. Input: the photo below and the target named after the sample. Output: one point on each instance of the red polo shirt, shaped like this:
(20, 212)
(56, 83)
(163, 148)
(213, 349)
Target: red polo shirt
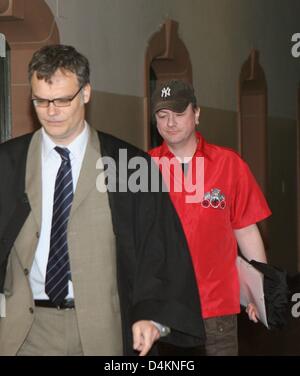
(233, 201)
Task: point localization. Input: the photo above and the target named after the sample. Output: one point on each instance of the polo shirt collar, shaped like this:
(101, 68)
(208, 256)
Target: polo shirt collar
(200, 149)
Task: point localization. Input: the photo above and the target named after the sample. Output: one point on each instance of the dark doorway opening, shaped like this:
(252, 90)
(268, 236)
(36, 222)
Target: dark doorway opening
(155, 137)
(5, 95)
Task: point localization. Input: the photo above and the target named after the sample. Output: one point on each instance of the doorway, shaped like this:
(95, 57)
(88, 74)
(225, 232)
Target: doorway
(5, 95)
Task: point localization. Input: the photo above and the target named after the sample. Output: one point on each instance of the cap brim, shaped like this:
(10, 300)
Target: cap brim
(176, 106)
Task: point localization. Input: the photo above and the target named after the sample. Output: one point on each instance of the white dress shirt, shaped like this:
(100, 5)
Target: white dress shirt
(50, 162)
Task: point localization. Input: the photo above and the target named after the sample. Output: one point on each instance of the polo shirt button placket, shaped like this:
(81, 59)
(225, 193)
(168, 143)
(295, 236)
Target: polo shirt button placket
(220, 329)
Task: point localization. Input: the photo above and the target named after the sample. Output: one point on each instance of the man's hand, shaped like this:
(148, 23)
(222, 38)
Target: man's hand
(252, 312)
(145, 334)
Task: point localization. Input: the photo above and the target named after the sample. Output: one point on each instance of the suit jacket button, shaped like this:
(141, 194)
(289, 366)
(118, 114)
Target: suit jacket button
(26, 271)
(25, 198)
(31, 310)
(37, 234)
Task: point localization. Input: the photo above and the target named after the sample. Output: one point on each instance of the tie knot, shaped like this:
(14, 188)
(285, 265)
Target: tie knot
(64, 153)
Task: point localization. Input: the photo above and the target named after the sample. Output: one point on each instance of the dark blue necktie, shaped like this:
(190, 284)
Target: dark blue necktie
(58, 268)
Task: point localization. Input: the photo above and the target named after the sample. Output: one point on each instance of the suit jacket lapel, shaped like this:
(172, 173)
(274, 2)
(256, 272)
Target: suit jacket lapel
(26, 242)
(88, 173)
(33, 184)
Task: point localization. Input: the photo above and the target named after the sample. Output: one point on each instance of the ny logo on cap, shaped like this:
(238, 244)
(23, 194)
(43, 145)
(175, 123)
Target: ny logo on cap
(165, 92)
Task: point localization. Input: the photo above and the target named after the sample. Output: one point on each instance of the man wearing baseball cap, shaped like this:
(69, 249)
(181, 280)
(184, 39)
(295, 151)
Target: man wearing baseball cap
(224, 217)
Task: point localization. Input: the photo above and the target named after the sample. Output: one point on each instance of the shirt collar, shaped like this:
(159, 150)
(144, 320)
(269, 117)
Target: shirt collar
(76, 147)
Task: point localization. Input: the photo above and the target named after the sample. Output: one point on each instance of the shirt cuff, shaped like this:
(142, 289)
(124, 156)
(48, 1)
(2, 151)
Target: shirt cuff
(163, 330)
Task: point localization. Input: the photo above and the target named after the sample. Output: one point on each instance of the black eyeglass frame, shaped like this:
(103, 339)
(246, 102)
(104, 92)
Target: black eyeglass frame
(66, 102)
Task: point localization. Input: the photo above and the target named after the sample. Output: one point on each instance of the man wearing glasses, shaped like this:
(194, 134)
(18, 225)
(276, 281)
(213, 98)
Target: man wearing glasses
(85, 271)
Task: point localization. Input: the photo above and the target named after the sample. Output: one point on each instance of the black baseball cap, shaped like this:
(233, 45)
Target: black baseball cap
(174, 95)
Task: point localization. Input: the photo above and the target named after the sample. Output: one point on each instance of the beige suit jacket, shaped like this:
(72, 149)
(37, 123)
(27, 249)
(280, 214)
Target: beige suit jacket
(92, 257)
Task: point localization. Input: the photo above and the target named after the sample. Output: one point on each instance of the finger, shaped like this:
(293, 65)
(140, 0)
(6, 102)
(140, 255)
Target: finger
(252, 315)
(249, 312)
(147, 342)
(150, 336)
(145, 347)
(137, 338)
(144, 350)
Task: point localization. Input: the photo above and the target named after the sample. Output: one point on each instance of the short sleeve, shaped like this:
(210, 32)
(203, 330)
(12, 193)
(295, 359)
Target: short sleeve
(248, 204)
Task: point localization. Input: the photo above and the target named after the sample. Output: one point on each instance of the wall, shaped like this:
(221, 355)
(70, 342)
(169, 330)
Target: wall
(218, 33)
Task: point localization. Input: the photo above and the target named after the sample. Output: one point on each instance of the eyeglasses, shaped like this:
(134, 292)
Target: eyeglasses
(58, 102)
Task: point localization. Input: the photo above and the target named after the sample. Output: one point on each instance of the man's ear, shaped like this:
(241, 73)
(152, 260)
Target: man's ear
(87, 90)
(197, 115)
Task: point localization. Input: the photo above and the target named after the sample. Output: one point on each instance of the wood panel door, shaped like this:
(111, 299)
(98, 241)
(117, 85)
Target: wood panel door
(252, 122)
